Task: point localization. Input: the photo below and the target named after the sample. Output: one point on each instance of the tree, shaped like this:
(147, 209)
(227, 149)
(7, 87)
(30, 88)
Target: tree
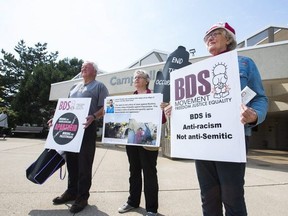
(26, 81)
(71, 68)
(34, 93)
(14, 71)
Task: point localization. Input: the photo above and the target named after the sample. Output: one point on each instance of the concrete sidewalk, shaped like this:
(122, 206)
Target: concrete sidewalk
(266, 183)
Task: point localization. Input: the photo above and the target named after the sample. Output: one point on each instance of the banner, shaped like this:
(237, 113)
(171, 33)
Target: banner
(133, 120)
(67, 131)
(205, 120)
(177, 59)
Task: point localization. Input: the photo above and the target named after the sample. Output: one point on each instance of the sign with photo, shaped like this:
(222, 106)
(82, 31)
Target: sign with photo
(205, 120)
(133, 120)
(67, 131)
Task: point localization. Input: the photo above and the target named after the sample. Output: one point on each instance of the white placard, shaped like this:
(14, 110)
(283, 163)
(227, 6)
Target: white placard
(136, 120)
(67, 131)
(205, 121)
(247, 95)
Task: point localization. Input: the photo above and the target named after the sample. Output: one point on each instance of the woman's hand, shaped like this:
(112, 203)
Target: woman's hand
(163, 105)
(168, 110)
(248, 115)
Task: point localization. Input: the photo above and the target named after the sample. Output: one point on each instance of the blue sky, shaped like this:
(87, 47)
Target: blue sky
(116, 33)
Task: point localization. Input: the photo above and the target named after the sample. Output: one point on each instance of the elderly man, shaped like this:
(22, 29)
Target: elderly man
(79, 165)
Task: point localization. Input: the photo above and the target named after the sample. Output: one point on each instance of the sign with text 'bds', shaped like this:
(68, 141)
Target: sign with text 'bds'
(205, 120)
(67, 131)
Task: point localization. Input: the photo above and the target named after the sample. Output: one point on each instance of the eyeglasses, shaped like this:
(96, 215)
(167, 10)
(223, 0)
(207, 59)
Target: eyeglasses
(138, 77)
(212, 34)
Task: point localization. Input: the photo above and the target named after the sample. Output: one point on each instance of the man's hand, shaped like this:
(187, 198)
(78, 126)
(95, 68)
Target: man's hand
(89, 120)
(49, 123)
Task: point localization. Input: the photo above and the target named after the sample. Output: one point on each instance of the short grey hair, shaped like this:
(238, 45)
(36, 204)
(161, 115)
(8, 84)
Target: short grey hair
(143, 74)
(232, 42)
(93, 64)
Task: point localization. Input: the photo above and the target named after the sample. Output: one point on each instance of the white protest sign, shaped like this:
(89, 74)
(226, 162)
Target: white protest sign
(67, 131)
(247, 94)
(136, 120)
(205, 120)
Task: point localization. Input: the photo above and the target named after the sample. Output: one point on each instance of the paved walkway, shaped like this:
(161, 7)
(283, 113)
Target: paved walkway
(266, 183)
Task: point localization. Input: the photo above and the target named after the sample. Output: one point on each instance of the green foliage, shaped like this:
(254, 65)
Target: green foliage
(25, 81)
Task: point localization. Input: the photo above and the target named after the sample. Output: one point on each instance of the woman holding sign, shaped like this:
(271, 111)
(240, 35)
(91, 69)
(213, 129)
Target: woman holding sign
(222, 183)
(141, 158)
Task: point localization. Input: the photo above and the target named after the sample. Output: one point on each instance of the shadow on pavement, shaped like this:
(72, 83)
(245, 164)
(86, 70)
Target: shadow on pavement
(88, 211)
(268, 159)
(257, 158)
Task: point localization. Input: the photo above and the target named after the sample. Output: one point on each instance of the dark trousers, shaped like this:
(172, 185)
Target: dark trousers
(142, 159)
(222, 183)
(79, 165)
